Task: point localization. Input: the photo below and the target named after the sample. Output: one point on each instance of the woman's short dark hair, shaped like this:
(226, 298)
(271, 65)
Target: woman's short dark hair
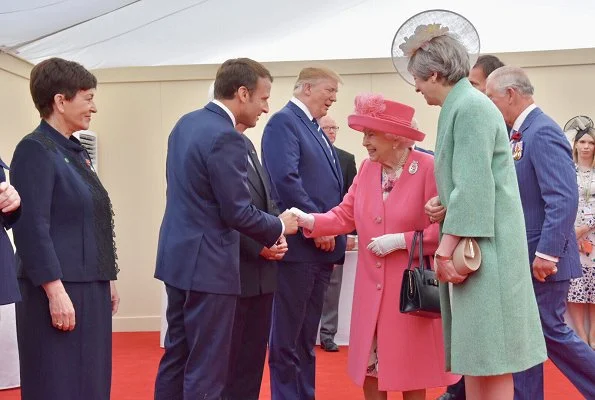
(57, 76)
(237, 72)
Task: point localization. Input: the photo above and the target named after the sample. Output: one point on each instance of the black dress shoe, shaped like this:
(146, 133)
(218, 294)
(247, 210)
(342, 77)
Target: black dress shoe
(329, 345)
(447, 396)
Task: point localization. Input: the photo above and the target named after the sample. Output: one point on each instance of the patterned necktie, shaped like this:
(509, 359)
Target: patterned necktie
(324, 139)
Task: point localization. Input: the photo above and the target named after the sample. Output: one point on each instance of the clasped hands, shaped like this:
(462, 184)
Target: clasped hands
(435, 210)
(9, 198)
(276, 251)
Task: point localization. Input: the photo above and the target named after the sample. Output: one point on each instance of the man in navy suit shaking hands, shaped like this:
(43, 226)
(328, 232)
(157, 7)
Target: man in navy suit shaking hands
(208, 205)
(305, 172)
(549, 194)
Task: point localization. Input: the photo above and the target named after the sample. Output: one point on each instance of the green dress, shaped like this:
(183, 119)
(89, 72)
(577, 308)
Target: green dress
(491, 321)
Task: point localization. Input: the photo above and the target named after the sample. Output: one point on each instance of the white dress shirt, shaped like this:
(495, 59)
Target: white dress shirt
(227, 111)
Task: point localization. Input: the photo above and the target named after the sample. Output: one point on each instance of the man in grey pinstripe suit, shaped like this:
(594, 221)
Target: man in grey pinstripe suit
(547, 184)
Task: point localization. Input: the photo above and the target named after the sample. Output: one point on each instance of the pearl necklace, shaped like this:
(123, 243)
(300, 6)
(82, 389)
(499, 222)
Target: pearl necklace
(389, 179)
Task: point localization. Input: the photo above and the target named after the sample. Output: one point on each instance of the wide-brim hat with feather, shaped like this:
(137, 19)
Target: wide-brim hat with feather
(373, 112)
(419, 30)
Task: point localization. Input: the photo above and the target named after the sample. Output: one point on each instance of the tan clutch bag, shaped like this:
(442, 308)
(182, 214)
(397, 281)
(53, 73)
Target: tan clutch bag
(467, 256)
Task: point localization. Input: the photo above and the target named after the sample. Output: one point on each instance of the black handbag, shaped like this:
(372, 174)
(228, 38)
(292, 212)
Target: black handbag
(419, 290)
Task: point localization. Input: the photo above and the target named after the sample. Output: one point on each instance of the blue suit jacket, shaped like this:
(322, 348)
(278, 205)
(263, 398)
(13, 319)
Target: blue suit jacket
(549, 193)
(9, 290)
(208, 202)
(303, 176)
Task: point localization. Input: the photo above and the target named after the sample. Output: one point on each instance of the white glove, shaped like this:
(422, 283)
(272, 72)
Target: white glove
(386, 244)
(304, 220)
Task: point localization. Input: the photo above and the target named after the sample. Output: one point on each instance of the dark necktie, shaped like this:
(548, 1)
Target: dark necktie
(324, 139)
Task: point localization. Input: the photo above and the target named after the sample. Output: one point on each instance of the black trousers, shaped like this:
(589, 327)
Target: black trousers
(250, 336)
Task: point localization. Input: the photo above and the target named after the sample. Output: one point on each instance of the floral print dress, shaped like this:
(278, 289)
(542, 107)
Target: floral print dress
(582, 290)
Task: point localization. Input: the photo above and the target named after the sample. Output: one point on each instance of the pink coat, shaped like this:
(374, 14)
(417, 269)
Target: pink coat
(410, 349)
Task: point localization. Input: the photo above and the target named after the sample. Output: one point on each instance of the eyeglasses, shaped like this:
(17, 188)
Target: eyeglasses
(330, 128)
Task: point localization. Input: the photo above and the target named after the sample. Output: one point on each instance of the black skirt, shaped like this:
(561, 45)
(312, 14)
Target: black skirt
(62, 365)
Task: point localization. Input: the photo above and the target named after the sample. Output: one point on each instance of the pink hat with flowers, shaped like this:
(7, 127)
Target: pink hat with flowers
(373, 112)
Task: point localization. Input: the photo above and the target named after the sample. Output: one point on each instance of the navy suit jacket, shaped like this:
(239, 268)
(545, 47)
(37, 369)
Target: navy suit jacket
(303, 175)
(208, 202)
(549, 193)
(9, 290)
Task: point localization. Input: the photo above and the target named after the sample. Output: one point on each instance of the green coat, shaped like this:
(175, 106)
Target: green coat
(491, 321)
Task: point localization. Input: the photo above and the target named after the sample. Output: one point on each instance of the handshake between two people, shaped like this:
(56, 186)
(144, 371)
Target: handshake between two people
(291, 221)
(306, 221)
(381, 246)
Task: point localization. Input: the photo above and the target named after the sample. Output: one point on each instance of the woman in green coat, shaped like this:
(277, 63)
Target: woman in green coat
(490, 317)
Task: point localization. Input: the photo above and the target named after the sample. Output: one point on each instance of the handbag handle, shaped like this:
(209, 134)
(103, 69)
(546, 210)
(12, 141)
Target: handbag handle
(418, 239)
(422, 267)
(413, 242)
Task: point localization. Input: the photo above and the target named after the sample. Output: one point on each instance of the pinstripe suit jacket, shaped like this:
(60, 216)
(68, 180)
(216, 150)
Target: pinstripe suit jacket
(549, 193)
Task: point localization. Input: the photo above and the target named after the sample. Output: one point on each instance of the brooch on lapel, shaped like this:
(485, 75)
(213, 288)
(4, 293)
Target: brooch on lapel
(516, 144)
(517, 150)
(413, 167)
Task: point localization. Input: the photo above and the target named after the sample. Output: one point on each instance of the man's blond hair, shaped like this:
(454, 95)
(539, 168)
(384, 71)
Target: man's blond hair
(314, 74)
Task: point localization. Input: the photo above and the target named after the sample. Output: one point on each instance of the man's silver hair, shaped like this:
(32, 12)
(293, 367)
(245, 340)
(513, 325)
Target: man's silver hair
(511, 77)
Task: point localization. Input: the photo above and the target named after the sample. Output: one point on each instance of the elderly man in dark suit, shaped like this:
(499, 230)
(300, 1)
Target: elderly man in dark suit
(258, 280)
(547, 184)
(208, 206)
(330, 310)
(10, 210)
(305, 172)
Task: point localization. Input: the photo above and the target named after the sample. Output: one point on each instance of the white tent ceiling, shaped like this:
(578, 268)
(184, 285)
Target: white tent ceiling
(111, 33)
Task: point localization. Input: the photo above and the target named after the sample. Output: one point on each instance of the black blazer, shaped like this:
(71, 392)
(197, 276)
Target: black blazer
(348, 169)
(9, 290)
(65, 230)
(257, 274)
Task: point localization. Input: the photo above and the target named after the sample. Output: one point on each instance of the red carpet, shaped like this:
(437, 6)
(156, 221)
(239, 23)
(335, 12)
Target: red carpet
(137, 354)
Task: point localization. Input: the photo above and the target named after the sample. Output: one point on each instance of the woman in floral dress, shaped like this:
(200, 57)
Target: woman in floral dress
(581, 295)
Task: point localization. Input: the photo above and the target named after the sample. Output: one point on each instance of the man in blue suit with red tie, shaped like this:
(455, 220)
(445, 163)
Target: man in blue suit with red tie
(208, 205)
(305, 173)
(10, 210)
(549, 193)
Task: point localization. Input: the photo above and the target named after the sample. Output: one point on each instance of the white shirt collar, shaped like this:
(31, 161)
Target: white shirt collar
(521, 118)
(220, 104)
(302, 107)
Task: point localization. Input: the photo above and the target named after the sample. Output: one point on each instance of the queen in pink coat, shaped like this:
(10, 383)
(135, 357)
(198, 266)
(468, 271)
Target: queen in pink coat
(388, 351)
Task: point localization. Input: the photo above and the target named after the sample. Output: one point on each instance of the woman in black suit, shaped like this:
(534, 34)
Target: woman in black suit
(66, 258)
